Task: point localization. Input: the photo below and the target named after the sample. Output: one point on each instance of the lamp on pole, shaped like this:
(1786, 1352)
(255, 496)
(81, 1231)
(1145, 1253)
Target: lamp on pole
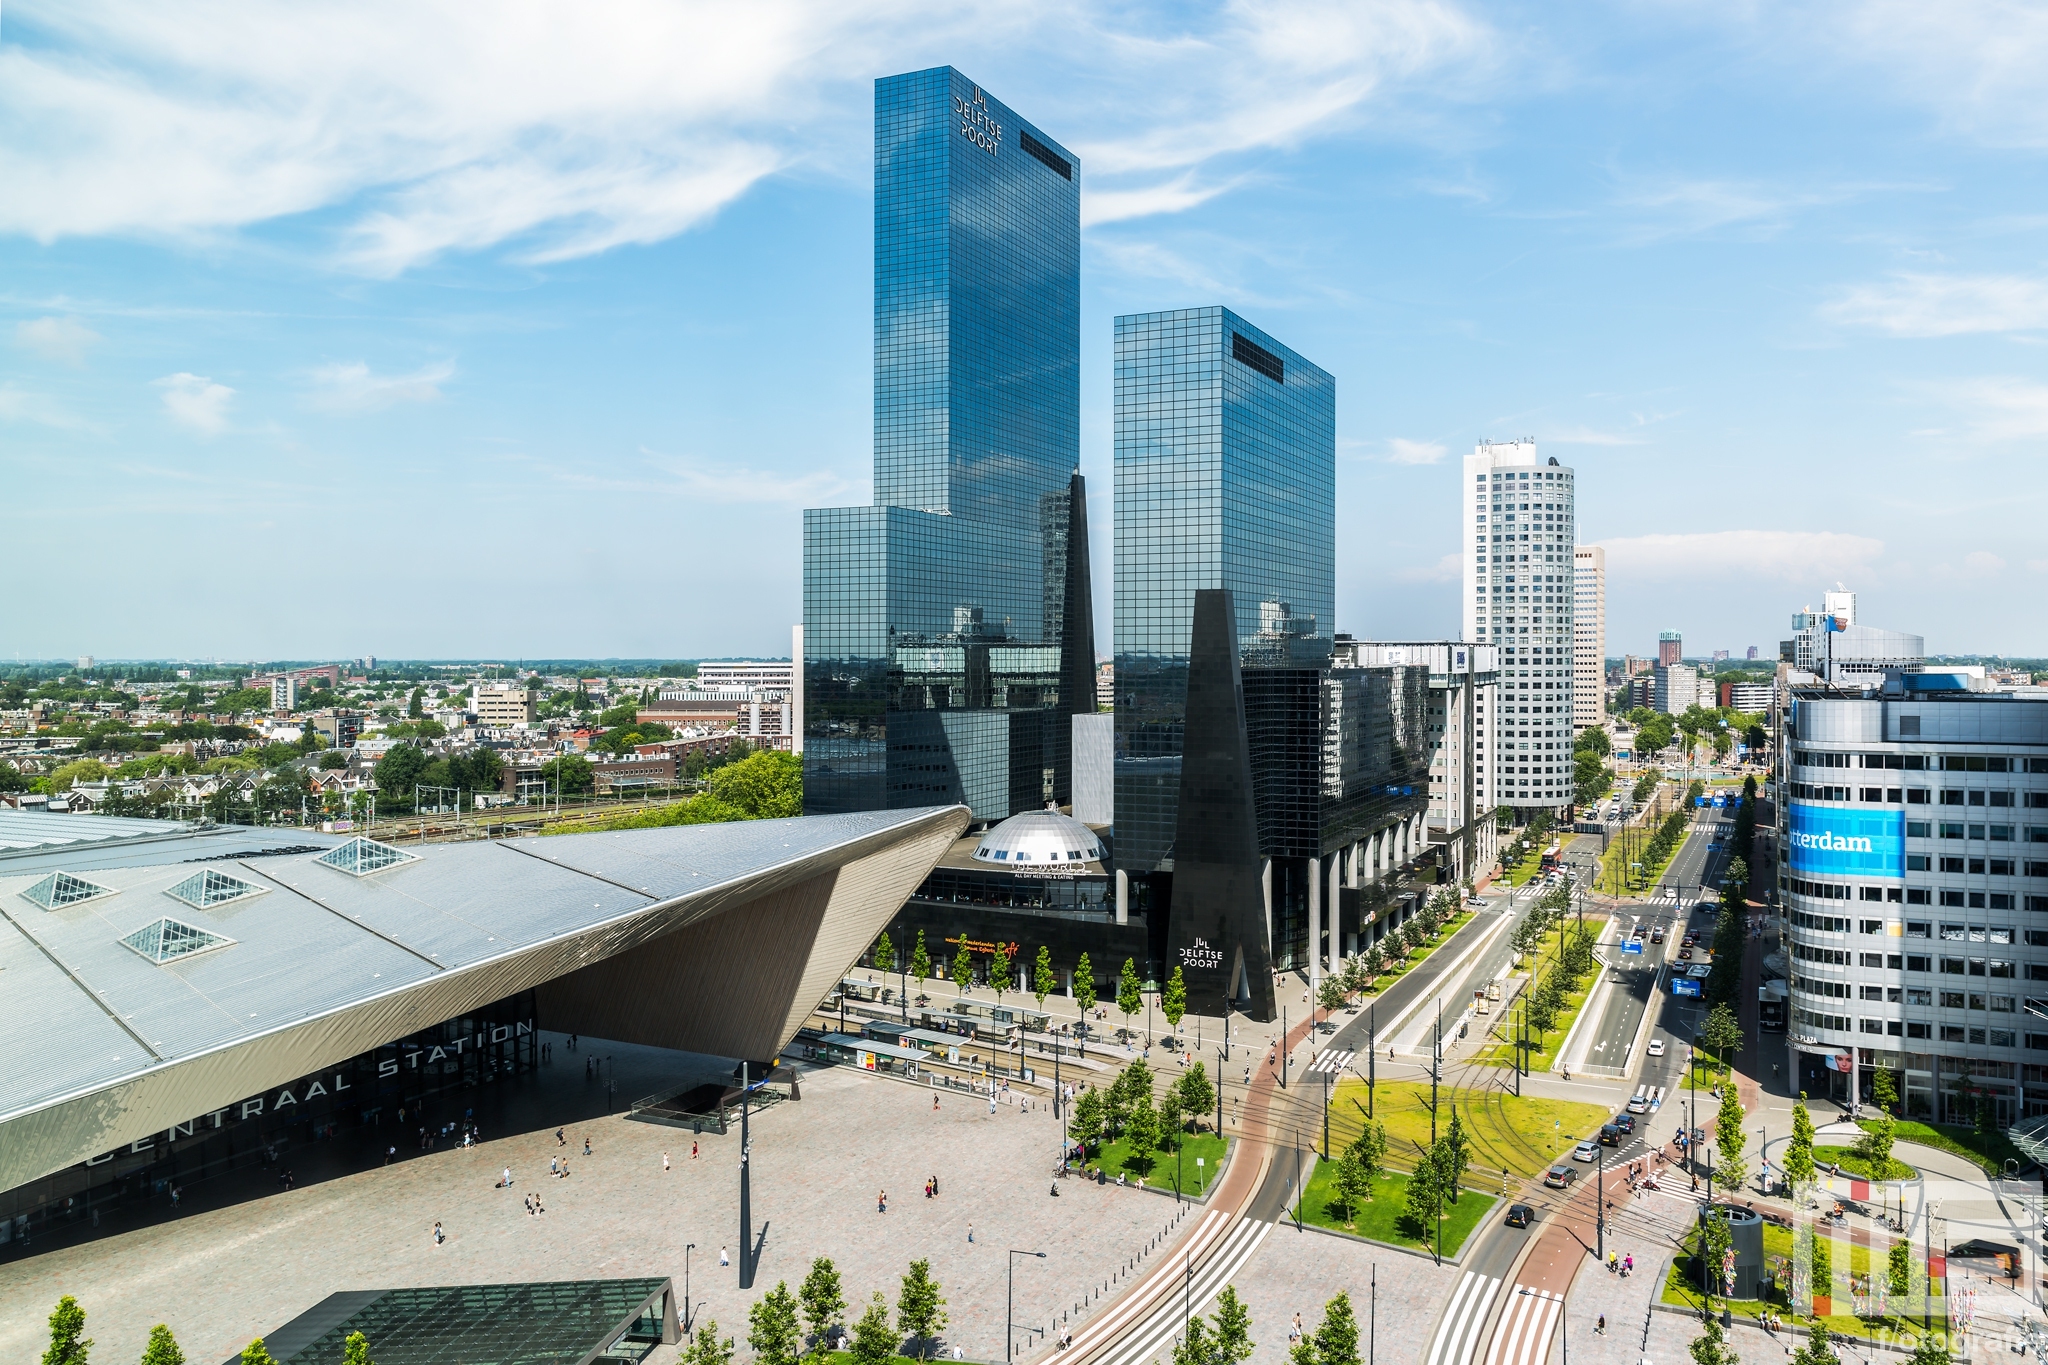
(1010, 1309)
(688, 1247)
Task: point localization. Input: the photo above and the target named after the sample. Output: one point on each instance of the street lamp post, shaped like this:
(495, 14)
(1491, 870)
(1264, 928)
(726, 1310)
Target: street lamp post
(688, 1247)
(1010, 1309)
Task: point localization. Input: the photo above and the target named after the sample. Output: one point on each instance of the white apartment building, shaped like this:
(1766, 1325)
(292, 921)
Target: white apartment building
(746, 677)
(1677, 688)
(284, 692)
(1589, 636)
(1518, 584)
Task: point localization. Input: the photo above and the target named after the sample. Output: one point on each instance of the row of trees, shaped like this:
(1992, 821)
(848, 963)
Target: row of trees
(776, 1323)
(1125, 1110)
(1567, 967)
(1591, 776)
(70, 1346)
(1130, 992)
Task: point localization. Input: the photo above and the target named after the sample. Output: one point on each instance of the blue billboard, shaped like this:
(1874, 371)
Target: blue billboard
(1829, 841)
(1685, 985)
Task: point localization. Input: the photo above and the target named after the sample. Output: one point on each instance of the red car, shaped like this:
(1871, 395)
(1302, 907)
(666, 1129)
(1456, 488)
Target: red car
(1685, 954)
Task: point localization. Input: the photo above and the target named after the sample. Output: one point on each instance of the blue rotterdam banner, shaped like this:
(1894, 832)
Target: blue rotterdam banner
(1828, 841)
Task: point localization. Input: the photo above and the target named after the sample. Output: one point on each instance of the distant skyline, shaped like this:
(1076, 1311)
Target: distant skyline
(432, 332)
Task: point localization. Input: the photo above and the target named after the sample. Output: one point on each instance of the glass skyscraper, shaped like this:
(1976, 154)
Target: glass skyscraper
(947, 631)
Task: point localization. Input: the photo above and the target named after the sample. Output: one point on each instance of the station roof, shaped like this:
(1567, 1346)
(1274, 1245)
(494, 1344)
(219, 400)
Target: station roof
(114, 972)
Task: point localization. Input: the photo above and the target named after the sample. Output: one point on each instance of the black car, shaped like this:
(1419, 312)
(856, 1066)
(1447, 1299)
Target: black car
(1520, 1215)
(1625, 1122)
(1610, 1136)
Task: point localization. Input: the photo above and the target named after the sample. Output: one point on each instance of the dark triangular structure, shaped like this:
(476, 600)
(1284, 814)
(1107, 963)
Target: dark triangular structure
(1218, 934)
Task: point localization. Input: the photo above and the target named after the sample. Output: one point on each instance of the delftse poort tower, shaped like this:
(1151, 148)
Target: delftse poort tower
(947, 633)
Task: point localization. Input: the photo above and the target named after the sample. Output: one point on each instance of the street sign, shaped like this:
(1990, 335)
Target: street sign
(1632, 945)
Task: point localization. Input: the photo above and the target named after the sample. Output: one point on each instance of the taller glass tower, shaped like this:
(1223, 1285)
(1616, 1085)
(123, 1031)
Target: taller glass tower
(947, 635)
(1225, 479)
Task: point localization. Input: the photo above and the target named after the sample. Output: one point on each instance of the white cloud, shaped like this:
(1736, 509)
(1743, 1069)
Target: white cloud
(1786, 556)
(1402, 451)
(20, 405)
(1916, 305)
(196, 401)
(2001, 408)
(1983, 564)
(1449, 569)
(351, 387)
(1587, 436)
(1977, 63)
(713, 482)
(55, 338)
(556, 132)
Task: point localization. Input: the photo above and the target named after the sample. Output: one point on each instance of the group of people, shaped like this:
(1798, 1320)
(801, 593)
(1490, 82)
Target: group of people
(1623, 1264)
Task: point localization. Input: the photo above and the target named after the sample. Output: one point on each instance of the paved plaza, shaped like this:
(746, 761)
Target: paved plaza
(231, 1265)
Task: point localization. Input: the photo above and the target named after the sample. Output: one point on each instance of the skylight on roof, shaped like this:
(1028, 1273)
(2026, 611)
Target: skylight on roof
(168, 940)
(361, 857)
(60, 889)
(212, 887)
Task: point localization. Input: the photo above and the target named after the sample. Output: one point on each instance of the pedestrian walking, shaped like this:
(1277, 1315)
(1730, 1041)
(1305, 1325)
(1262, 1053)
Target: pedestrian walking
(1600, 1328)
(693, 1149)
(586, 1146)
(935, 1101)
(723, 1259)
(439, 1236)
(505, 1182)
(882, 1202)
(528, 1201)
(970, 1233)
(664, 1161)
(560, 1141)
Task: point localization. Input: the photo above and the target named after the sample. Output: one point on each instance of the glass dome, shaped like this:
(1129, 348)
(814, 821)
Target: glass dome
(1039, 839)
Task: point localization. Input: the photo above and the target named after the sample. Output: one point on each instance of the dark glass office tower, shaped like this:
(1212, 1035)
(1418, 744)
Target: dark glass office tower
(946, 630)
(1225, 478)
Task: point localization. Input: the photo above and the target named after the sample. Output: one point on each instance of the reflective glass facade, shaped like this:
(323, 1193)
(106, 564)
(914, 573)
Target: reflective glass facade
(942, 625)
(1225, 478)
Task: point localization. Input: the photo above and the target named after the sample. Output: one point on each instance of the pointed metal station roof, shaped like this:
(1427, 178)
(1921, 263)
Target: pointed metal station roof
(98, 1040)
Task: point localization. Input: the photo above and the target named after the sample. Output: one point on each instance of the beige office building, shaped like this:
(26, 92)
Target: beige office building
(501, 704)
(1589, 635)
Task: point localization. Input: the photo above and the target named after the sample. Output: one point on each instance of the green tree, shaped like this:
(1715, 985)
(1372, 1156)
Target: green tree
(1084, 1124)
(920, 1309)
(1798, 1162)
(1231, 1342)
(999, 978)
(1425, 1191)
(1141, 1131)
(963, 965)
(1457, 1146)
(395, 775)
(1329, 994)
(1874, 1145)
(1714, 1241)
(1884, 1090)
(1900, 1268)
(1930, 1351)
(1084, 984)
(1194, 1346)
(1173, 1001)
(1816, 1350)
(874, 1340)
(67, 1346)
(1336, 1339)
(822, 1301)
(355, 1350)
(1729, 1139)
(163, 1349)
(920, 963)
(413, 708)
(1197, 1096)
(885, 954)
(1823, 1264)
(1043, 982)
(772, 1327)
(1354, 1184)
(768, 785)
(706, 1348)
(1722, 1035)
(1129, 997)
(255, 1353)
(1710, 1347)
(1173, 1118)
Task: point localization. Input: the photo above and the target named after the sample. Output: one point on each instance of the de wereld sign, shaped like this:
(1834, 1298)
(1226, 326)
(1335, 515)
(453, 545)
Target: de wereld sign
(1833, 841)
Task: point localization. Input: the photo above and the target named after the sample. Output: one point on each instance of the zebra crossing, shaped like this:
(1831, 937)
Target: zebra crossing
(1152, 1335)
(1526, 1324)
(1457, 1336)
(1332, 1060)
(1653, 1095)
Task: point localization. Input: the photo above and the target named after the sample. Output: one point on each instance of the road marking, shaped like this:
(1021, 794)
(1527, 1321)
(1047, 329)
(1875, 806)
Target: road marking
(1332, 1060)
(1523, 1336)
(1153, 1334)
(1457, 1336)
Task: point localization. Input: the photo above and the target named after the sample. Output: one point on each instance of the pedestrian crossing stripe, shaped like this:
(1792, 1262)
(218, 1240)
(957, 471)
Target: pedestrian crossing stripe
(1527, 1322)
(1332, 1060)
(1457, 1335)
(1652, 1093)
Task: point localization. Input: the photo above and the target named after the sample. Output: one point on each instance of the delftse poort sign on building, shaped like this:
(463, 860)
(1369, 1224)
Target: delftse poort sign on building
(1834, 841)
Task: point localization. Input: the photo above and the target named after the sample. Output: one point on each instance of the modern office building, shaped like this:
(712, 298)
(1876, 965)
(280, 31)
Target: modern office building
(1670, 647)
(1589, 636)
(744, 676)
(180, 997)
(1674, 688)
(1830, 645)
(1913, 870)
(1462, 679)
(947, 634)
(1519, 589)
(1751, 697)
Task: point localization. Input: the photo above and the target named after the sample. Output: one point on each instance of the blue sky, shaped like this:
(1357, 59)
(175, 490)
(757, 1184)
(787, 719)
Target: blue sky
(452, 330)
